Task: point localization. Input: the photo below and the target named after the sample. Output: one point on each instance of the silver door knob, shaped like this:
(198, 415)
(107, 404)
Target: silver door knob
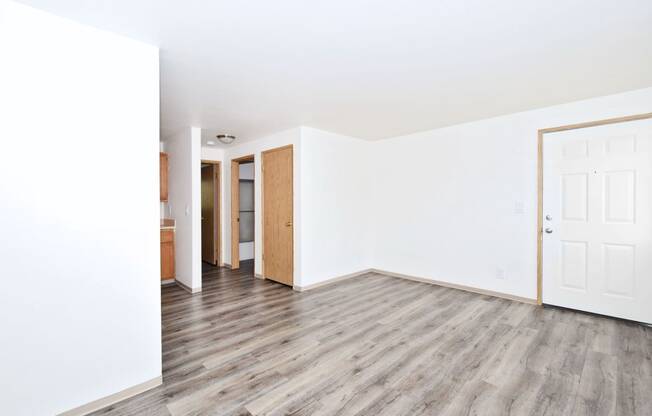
(548, 230)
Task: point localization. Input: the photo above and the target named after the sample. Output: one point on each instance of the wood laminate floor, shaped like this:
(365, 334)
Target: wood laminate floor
(377, 345)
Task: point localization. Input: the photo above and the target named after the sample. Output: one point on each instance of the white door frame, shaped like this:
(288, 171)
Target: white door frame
(540, 134)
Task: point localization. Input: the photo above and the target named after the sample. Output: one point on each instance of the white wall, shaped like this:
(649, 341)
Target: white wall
(283, 138)
(247, 171)
(336, 203)
(80, 299)
(184, 203)
(458, 204)
(247, 250)
(213, 154)
(332, 197)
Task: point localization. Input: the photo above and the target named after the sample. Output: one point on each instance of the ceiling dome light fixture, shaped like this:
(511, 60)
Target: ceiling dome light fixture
(225, 138)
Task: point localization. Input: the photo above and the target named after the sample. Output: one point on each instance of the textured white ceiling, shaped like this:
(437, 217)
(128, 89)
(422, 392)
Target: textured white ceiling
(374, 69)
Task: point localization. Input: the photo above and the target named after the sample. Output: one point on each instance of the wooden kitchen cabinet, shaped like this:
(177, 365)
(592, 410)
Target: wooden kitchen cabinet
(163, 164)
(167, 254)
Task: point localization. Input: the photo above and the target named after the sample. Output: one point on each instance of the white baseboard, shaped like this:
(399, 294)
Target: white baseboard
(192, 291)
(259, 276)
(330, 281)
(420, 280)
(457, 286)
(114, 398)
(167, 282)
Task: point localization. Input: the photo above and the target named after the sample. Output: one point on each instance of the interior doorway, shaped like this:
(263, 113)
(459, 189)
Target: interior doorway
(242, 210)
(210, 213)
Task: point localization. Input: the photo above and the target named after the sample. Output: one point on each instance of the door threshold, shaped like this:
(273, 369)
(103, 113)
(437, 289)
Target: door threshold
(631, 321)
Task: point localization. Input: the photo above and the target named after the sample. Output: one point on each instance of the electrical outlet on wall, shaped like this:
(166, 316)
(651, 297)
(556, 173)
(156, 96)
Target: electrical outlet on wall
(519, 208)
(500, 273)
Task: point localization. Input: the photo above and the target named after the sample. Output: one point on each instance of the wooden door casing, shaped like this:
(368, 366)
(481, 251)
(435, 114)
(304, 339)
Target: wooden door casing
(235, 214)
(208, 214)
(163, 176)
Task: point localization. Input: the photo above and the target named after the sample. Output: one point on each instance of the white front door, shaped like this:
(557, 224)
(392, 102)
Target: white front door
(597, 240)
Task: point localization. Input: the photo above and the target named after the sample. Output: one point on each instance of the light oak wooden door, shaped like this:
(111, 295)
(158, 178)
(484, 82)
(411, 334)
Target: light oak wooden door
(597, 244)
(208, 251)
(278, 221)
(167, 254)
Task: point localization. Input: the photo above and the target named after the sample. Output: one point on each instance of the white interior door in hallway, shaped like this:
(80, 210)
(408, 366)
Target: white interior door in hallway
(597, 240)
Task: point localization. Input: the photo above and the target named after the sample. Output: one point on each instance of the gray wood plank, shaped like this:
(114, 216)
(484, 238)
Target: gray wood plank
(378, 345)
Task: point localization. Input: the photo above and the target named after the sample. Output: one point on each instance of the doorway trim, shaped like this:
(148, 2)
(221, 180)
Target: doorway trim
(217, 212)
(540, 134)
(262, 206)
(235, 208)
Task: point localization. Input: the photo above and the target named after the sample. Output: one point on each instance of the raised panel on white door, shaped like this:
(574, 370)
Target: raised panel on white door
(574, 204)
(620, 144)
(619, 269)
(574, 266)
(575, 149)
(619, 196)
